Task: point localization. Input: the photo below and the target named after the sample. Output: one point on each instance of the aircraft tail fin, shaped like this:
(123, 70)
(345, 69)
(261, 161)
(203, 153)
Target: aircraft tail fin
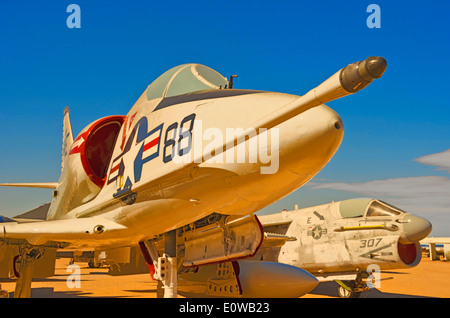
(67, 138)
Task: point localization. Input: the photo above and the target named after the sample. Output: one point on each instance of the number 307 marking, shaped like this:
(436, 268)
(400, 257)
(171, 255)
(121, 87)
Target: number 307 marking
(370, 242)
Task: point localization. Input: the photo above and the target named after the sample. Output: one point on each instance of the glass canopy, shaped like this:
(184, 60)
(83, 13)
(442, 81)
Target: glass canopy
(357, 208)
(380, 208)
(183, 79)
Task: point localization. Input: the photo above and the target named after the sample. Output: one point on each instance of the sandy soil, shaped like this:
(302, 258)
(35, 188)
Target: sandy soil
(428, 279)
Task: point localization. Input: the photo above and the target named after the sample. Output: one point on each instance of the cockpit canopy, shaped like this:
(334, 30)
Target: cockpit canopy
(367, 207)
(186, 78)
(380, 208)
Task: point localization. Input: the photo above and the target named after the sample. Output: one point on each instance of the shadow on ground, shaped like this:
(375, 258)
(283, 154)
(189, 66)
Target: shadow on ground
(331, 289)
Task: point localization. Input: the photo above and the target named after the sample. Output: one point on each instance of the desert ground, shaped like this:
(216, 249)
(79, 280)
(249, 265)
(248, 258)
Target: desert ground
(428, 279)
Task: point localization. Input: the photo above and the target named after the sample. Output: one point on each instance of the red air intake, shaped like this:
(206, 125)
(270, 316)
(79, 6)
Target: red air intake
(407, 252)
(95, 146)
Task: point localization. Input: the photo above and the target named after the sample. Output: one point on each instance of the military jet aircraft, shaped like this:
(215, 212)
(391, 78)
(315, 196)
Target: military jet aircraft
(149, 176)
(345, 241)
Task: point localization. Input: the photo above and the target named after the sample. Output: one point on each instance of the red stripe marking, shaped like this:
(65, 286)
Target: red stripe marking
(114, 169)
(152, 143)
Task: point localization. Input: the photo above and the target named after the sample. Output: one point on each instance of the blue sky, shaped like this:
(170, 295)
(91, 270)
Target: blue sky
(285, 46)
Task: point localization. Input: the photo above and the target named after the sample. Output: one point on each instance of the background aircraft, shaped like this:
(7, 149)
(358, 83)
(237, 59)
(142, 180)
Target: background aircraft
(437, 246)
(138, 179)
(343, 241)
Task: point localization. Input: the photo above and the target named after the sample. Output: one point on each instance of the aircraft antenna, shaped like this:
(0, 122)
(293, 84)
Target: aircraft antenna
(231, 81)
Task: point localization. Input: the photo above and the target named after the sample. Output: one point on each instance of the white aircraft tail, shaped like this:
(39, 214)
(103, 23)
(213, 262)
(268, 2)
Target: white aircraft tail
(67, 138)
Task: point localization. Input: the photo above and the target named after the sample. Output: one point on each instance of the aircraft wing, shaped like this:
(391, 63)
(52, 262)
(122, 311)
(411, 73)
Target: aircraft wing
(44, 185)
(84, 232)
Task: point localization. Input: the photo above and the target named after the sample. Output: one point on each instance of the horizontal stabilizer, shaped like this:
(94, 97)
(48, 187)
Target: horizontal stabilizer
(43, 185)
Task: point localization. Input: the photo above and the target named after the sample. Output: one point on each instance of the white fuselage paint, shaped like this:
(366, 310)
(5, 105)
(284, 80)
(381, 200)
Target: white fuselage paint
(306, 144)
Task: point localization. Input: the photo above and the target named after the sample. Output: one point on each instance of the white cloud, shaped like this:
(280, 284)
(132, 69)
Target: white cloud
(412, 194)
(441, 160)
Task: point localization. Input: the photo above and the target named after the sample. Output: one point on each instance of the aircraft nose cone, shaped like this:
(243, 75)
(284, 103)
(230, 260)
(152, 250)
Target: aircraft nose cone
(414, 229)
(274, 280)
(375, 66)
(322, 121)
(308, 141)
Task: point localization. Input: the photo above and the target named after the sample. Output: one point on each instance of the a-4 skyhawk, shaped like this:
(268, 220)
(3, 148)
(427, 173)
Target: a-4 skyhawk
(187, 166)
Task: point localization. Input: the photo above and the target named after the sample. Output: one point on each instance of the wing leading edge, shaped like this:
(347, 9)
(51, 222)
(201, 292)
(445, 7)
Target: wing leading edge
(43, 185)
(92, 231)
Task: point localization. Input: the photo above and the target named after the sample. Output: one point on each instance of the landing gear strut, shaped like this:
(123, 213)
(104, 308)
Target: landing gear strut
(28, 256)
(163, 268)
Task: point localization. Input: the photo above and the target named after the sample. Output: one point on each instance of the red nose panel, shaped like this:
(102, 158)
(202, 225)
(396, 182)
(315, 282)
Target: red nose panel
(407, 252)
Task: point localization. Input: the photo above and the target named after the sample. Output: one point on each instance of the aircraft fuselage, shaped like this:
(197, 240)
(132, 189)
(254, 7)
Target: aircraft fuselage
(150, 141)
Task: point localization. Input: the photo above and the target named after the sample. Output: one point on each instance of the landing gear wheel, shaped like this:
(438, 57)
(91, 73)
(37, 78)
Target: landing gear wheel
(3, 293)
(92, 264)
(346, 293)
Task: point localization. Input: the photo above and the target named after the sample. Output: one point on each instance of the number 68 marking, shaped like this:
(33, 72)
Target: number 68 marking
(183, 133)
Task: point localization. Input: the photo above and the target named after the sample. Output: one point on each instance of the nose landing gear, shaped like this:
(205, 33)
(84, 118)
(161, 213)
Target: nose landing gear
(353, 288)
